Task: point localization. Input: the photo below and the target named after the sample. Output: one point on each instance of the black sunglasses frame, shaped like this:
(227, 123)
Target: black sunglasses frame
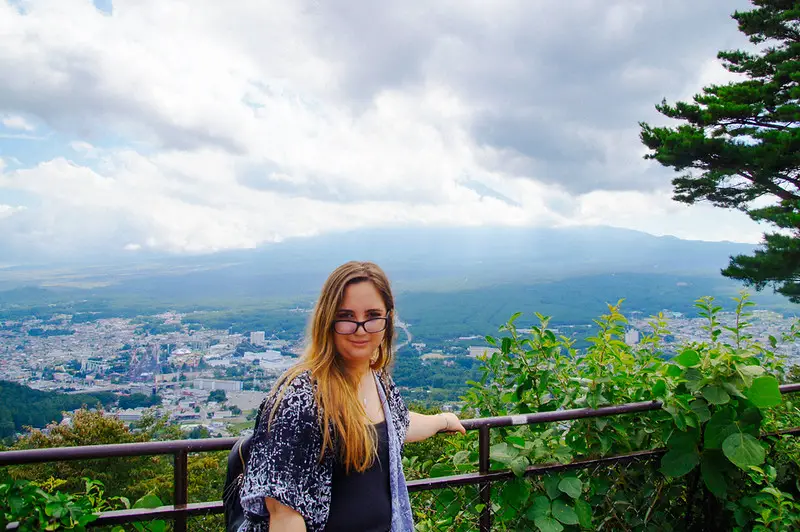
(363, 325)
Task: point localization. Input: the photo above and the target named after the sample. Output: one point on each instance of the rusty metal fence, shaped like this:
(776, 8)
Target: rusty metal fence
(482, 488)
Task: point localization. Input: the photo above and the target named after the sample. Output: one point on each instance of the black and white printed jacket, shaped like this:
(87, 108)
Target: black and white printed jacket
(284, 461)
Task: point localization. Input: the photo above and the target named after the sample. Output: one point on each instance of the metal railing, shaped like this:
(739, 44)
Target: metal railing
(181, 509)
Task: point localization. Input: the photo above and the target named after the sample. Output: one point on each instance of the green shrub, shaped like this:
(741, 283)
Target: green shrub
(718, 470)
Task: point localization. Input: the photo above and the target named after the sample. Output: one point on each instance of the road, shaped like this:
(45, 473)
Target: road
(402, 325)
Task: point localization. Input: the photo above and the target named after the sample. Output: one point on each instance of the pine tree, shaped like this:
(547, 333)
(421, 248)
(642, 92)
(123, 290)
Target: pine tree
(739, 145)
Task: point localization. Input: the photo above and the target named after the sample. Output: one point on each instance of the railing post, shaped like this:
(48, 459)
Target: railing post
(485, 487)
(181, 486)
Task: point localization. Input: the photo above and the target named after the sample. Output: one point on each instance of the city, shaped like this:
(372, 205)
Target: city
(209, 381)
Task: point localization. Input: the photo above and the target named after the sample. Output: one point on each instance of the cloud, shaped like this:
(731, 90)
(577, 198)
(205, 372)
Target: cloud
(199, 126)
(8, 210)
(16, 122)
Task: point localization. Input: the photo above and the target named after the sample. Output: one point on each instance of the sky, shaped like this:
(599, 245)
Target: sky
(193, 126)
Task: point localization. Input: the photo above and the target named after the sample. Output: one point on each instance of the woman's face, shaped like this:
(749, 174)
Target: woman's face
(361, 302)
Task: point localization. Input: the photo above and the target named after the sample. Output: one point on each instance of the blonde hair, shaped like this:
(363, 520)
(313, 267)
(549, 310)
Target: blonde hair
(336, 390)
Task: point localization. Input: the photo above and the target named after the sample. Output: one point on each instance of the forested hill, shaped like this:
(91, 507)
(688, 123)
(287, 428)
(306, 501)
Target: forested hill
(22, 406)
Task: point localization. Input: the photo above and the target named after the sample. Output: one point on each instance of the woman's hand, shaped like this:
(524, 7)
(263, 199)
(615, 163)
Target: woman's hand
(452, 423)
(423, 426)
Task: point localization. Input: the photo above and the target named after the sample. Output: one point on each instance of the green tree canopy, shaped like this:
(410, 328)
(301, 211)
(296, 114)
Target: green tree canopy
(739, 145)
(218, 396)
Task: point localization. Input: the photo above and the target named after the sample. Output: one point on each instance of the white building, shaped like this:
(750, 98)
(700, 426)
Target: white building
(212, 384)
(477, 350)
(632, 337)
(257, 337)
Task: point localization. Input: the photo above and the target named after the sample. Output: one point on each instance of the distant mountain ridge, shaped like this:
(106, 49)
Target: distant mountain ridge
(415, 259)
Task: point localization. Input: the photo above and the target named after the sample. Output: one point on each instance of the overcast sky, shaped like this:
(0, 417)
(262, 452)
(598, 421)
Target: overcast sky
(205, 125)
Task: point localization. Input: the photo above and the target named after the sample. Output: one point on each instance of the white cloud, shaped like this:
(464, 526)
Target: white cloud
(207, 126)
(9, 210)
(85, 150)
(16, 122)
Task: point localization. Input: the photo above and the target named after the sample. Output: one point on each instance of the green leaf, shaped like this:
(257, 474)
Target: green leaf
(716, 395)
(551, 486)
(743, 450)
(505, 345)
(732, 389)
(564, 512)
(750, 421)
(751, 371)
(461, 458)
(87, 518)
(659, 388)
(519, 465)
(563, 454)
(674, 371)
(54, 509)
(683, 441)
(441, 470)
(515, 493)
(700, 408)
(157, 526)
(719, 427)
(148, 501)
(539, 508)
(712, 464)
(694, 379)
(548, 524)
(688, 359)
(773, 342)
(678, 462)
(764, 393)
(584, 511)
(516, 441)
(503, 453)
(571, 486)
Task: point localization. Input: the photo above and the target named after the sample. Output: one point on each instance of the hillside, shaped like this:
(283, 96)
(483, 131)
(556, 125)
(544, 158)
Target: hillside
(21, 406)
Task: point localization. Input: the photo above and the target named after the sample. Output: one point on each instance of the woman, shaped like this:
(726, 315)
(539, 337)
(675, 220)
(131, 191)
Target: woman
(326, 455)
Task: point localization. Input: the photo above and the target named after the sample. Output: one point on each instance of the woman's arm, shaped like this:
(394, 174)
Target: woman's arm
(282, 518)
(424, 426)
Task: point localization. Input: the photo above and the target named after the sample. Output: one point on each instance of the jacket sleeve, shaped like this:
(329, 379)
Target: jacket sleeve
(284, 454)
(398, 407)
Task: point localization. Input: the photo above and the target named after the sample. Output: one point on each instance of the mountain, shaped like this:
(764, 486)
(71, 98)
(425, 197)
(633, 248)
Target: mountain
(415, 259)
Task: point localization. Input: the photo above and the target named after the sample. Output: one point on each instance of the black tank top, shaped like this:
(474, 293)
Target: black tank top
(362, 501)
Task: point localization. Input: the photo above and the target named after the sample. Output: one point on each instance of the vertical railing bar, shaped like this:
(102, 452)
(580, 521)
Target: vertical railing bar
(485, 487)
(181, 487)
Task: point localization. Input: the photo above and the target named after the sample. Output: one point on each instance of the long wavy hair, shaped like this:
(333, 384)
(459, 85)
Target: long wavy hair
(336, 391)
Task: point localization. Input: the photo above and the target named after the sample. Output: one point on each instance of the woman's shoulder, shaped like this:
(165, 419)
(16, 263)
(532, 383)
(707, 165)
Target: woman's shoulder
(291, 390)
(299, 382)
(291, 402)
(386, 378)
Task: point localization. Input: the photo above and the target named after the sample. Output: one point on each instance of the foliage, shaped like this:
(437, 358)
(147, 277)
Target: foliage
(719, 394)
(217, 395)
(36, 507)
(139, 400)
(21, 406)
(120, 476)
(740, 143)
(197, 433)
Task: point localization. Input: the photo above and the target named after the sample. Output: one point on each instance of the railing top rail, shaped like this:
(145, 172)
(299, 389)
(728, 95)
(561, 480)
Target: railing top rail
(560, 415)
(56, 454)
(578, 413)
(114, 450)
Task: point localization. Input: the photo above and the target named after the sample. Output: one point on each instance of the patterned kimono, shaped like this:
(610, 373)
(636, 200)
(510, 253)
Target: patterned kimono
(284, 461)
